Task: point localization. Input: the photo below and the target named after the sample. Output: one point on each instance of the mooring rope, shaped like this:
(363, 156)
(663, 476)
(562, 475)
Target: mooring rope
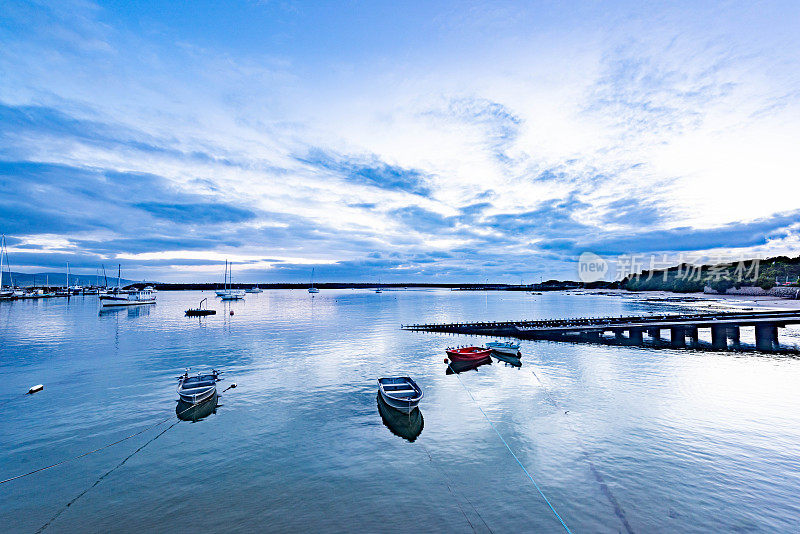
(151, 440)
(560, 520)
(81, 494)
(618, 510)
(454, 494)
(126, 438)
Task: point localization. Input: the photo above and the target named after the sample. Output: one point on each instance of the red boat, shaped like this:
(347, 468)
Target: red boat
(468, 354)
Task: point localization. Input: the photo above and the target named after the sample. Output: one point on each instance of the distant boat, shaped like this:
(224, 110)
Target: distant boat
(8, 292)
(136, 298)
(228, 293)
(254, 289)
(400, 392)
(505, 347)
(200, 311)
(311, 288)
(468, 354)
(199, 388)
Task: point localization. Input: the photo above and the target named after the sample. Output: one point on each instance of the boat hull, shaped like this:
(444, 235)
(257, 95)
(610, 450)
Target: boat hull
(469, 354)
(405, 406)
(511, 350)
(200, 313)
(113, 303)
(198, 397)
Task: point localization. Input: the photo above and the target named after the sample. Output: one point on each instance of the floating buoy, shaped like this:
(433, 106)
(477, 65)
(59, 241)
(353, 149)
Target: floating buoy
(35, 389)
(445, 360)
(231, 312)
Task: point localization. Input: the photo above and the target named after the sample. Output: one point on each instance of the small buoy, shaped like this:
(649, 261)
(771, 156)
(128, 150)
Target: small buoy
(35, 389)
(445, 360)
(232, 386)
(231, 312)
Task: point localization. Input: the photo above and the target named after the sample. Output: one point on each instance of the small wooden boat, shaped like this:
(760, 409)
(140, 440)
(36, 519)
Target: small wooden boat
(400, 392)
(198, 388)
(468, 354)
(200, 311)
(505, 347)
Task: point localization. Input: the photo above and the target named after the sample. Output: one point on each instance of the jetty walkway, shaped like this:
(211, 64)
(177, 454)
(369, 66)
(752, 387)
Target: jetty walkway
(724, 326)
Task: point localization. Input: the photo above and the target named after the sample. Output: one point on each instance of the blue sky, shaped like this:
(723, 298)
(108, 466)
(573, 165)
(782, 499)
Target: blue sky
(407, 142)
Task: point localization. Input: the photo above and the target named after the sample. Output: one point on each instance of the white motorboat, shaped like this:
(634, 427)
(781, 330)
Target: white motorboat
(199, 388)
(136, 298)
(254, 289)
(400, 392)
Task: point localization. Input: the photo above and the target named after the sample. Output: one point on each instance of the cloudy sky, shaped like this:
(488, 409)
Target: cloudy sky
(443, 141)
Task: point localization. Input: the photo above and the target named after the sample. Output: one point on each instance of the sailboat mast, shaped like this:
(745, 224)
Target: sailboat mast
(119, 276)
(68, 276)
(2, 248)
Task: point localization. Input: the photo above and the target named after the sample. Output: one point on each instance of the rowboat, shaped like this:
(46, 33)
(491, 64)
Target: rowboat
(468, 354)
(199, 388)
(400, 392)
(505, 347)
(407, 426)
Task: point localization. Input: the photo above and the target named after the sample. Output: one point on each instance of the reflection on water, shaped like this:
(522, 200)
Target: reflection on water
(461, 367)
(187, 411)
(407, 426)
(131, 311)
(686, 441)
(508, 359)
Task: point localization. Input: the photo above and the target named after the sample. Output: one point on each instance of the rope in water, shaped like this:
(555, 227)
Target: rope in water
(618, 510)
(450, 489)
(81, 494)
(126, 438)
(560, 520)
(151, 440)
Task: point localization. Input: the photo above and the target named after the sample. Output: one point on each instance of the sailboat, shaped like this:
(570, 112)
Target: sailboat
(228, 293)
(378, 287)
(8, 292)
(311, 288)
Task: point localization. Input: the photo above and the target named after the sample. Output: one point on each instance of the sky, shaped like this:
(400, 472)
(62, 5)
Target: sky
(394, 141)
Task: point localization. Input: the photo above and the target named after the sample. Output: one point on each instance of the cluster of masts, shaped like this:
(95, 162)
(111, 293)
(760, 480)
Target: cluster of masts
(11, 291)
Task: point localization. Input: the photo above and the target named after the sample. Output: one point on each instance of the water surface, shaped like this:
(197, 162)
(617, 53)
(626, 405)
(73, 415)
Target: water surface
(618, 438)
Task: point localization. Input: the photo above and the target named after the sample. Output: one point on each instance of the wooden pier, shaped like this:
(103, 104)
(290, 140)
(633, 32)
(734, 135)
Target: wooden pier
(683, 328)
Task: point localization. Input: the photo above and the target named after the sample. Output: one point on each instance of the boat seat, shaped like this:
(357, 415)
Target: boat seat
(404, 393)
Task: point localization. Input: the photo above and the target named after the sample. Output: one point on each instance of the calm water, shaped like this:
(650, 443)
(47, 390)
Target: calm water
(664, 440)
